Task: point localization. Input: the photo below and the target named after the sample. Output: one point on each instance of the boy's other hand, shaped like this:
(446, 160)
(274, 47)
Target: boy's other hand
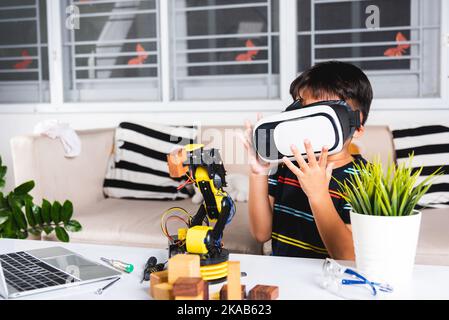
(313, 176)
(258, 166)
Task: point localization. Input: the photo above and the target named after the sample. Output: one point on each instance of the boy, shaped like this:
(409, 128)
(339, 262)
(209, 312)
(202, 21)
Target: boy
(296, 204)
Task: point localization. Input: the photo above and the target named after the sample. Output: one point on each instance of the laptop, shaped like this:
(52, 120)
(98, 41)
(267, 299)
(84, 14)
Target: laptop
(31, 272)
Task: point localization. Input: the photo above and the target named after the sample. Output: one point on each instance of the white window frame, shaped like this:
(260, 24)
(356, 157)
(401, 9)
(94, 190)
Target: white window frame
(397, 83)
(260, 85)
(288, 42)
(28, 86)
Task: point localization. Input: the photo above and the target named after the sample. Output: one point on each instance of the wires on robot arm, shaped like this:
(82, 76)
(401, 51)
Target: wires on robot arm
(174, 213)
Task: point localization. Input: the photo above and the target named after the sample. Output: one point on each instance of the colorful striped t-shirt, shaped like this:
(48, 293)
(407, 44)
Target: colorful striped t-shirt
(294, 231)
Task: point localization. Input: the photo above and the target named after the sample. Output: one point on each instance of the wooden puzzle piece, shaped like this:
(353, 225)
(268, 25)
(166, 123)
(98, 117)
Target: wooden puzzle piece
(262, 292)
(206, 290)
(234, 290)
(156, 278)
(183, 265)
(198, 297)
(224, 292)
(188, 287)
(163, 291)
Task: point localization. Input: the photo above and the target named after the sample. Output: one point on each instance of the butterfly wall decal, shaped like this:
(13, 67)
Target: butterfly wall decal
(25, 63)
(250, 54)
(141, 58)
(400, 49)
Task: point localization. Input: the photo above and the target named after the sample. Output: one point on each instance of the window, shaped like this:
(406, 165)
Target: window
(400, 57)
(218, 55)
(225, 49)
(23, 51)
(114, 54)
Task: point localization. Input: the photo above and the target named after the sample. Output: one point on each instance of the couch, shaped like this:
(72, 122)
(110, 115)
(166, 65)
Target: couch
(137, 222)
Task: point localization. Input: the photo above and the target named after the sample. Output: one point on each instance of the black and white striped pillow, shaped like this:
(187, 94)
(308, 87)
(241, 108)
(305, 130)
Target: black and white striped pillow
(430, 145)
(138, 167)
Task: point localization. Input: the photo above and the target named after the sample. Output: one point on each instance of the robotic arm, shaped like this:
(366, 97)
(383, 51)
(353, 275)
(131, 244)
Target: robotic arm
(204, 168)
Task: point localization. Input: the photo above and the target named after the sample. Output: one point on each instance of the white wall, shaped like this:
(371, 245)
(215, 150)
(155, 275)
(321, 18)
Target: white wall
(14, 124)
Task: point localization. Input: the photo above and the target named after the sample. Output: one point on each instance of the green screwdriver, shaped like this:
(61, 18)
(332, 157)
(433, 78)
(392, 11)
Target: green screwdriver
(122, 266)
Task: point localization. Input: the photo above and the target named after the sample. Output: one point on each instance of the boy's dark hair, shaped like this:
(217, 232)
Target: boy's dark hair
(342, 79)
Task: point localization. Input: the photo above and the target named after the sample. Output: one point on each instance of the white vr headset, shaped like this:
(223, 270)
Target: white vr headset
(325, 123)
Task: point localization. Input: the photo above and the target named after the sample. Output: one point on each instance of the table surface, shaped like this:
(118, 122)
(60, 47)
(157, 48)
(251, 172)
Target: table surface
(297, 278)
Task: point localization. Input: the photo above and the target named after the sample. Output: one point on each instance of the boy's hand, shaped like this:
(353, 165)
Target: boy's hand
(258, 166)
(314, 176)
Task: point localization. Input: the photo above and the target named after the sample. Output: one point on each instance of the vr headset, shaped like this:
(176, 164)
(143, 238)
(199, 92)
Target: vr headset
(325, 123)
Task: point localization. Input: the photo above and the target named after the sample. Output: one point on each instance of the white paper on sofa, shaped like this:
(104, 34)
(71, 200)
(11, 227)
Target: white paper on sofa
(62, 131)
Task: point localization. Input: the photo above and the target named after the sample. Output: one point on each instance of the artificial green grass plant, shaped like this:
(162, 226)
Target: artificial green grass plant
(396, 192)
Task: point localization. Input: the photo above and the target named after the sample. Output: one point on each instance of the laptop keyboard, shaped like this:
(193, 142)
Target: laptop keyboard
(24, 272)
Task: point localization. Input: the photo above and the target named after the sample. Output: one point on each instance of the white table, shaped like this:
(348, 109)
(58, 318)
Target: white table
(297, 278)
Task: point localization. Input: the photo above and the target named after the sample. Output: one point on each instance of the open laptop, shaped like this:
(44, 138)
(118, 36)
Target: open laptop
(36, 271)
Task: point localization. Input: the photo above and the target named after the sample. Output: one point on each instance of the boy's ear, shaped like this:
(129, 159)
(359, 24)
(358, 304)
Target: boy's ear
(359, 132)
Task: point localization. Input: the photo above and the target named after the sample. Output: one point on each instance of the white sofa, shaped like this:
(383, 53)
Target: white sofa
(137, 223)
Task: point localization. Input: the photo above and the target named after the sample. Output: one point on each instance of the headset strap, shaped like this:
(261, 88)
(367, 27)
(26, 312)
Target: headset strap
(354, 119)
(354, 116)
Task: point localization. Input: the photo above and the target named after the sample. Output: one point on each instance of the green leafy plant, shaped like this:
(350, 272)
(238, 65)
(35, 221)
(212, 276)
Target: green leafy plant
(20, 216)
(395, 192)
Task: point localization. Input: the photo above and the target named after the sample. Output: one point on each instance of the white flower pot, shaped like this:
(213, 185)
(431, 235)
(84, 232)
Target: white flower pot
(385, 247)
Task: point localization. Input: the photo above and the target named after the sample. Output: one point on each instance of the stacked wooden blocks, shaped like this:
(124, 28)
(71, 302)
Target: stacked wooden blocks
(234, 290)
(159, 289)
(182, 281)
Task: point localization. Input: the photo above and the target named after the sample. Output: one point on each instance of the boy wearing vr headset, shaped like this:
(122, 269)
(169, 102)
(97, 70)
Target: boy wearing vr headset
(295, 204)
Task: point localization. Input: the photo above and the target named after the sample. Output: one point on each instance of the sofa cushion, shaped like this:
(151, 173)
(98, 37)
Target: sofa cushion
(137, 223)
(433, 244)
(429, 144)
(138, 167)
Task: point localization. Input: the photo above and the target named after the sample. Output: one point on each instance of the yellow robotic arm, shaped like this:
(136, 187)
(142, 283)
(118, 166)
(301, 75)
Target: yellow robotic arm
(204, 168)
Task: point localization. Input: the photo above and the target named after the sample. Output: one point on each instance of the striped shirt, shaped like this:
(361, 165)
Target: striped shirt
(294, 231)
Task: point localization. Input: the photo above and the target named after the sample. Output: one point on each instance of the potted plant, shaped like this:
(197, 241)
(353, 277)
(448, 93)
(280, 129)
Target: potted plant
(20, 218)
(384, 219)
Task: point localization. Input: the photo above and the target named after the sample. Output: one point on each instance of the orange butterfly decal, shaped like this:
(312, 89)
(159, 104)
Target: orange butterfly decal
(25, 63)
(400, 49)
(249, 55)
(141, 58)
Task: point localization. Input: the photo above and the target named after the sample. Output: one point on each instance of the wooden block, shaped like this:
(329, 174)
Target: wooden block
(163, 291)
(183, 265)
(206, 290)
(234, 290)
(198, 297)
(203, 296)
(261, 292)
(156, 278)
(188, 287)
(224, 292)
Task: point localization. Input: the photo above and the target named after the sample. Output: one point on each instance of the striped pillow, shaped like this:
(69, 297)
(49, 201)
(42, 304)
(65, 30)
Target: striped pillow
(430, 145)
(138, 167)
